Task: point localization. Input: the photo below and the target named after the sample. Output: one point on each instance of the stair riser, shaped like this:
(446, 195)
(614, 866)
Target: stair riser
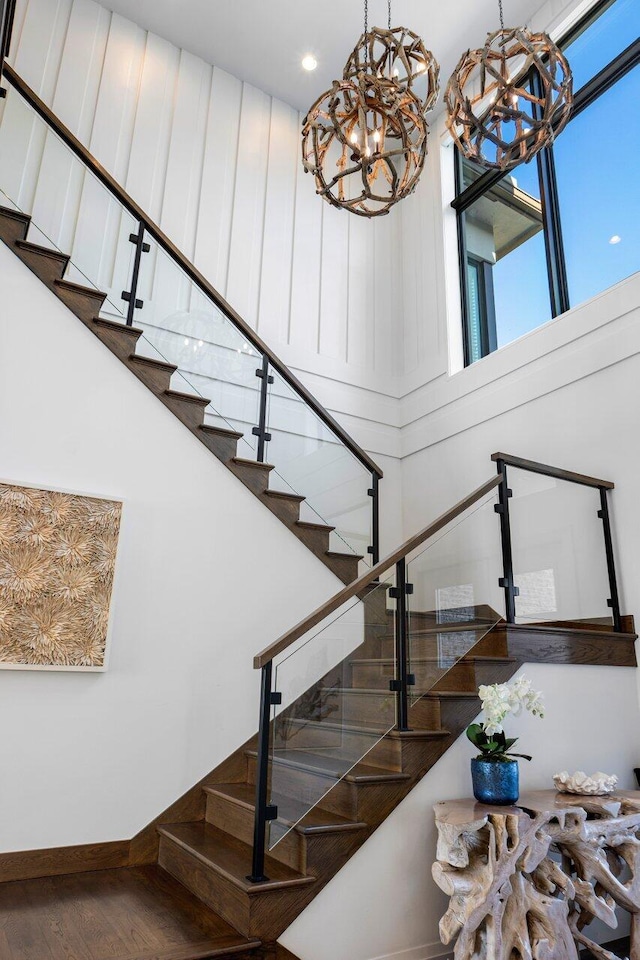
(122, 343)
(310, 787)
(86, 306)
(310, 737)
(316, 540)
(46, 268)
(238, 820)
(534, 648)
(345, 568)
(286, 510)
(157, 379)
(12, 229)
(431, 646)
(377, 710)
(270, 912)
(224, 448)
(492, 672)
(461, 676)
(256, 479)
(191, 414)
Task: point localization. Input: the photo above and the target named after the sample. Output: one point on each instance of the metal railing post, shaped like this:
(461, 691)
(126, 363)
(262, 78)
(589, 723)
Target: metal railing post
(130, 296)
(614, 600)
(374, 493)
(403, 679)
(260, 431)
(264, 812)
(506, 581)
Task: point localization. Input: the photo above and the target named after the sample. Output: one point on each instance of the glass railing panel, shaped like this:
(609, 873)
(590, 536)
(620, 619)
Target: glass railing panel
(335, 683)
(559, 561)
(312, 461)
(454, 599)
(70, 210)
(336, 704)
(214, 359)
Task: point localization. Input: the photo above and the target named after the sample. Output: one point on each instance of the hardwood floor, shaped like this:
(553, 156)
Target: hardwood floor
(136, 913)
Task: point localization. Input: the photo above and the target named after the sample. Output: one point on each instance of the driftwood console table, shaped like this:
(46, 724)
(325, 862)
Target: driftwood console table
(525, 881)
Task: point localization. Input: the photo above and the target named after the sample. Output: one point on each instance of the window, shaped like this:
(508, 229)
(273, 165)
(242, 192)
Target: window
(558, 230)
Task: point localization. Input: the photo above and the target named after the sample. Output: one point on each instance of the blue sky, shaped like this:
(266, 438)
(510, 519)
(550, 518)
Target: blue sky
(598, 165)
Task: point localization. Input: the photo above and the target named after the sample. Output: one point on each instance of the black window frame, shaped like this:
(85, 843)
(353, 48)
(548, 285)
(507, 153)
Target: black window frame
(465, 197)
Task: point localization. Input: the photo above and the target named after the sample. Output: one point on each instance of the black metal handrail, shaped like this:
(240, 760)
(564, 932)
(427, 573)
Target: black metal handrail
(505, 460)
(147, 226)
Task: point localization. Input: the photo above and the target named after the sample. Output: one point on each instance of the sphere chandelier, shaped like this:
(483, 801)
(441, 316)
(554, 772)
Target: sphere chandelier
(510, 99)
(365, 139)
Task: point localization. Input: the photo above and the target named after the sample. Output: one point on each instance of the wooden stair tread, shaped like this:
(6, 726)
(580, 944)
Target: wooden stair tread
(329, 766)
(230, 857)
(415, 660)
(451, 694)
(188, 397)
(42, 250)
(370, 732)
(14, 215)
(252, 464)
(569, 631)
(131, 331)
(307, 525)
(342, 556)
(282, 495)
(290, 811)
(151, 362)
(79, 288)
(220, 431)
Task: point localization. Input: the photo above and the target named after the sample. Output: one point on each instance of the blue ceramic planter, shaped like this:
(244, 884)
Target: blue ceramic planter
(495, 783)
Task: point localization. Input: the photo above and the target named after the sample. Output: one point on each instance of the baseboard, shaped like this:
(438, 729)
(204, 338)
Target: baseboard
(54, 861)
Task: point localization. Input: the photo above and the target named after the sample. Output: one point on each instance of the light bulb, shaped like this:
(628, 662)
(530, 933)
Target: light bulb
(367, 151)
(354, 139)
(309, 62)
(376, 136)
(396, 72)
(421, 68)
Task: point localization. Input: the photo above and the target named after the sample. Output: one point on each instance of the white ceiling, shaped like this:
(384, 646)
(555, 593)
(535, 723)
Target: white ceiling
(263, 41)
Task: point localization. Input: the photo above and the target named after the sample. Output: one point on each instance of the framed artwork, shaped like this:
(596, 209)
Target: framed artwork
(57, 566)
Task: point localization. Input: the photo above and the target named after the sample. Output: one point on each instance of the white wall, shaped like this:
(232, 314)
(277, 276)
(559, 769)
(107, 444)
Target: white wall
(216, 163)
(89, 758)
(383, 903)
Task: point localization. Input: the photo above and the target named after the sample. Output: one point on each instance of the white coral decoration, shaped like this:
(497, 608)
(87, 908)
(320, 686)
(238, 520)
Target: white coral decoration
(500, 699)
(597, 785)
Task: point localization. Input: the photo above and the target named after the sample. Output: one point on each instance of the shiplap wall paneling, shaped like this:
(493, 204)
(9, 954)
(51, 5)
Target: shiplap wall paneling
(213, 232)
(387, 292)
(361, 313)
(217, 163)
(334, 283)
(306, 267)
(247, 228)
(280, 202)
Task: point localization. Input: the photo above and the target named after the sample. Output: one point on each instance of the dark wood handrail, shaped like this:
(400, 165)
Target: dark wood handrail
(532, 466)
(192, 272)
(358, 585)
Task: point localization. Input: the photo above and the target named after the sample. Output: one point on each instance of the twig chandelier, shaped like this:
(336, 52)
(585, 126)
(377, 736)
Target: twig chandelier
(365, 139)
(510, 99)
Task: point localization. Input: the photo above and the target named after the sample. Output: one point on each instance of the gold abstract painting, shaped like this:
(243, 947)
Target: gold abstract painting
(57, 563)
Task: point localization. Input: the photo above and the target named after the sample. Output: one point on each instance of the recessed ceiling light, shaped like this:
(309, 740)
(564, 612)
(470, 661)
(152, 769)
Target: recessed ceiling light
(615, 238)
(309, 62)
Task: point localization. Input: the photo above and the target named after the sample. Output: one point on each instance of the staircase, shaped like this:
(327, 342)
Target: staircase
(336, 761)
(210, 851)
(50, 266)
